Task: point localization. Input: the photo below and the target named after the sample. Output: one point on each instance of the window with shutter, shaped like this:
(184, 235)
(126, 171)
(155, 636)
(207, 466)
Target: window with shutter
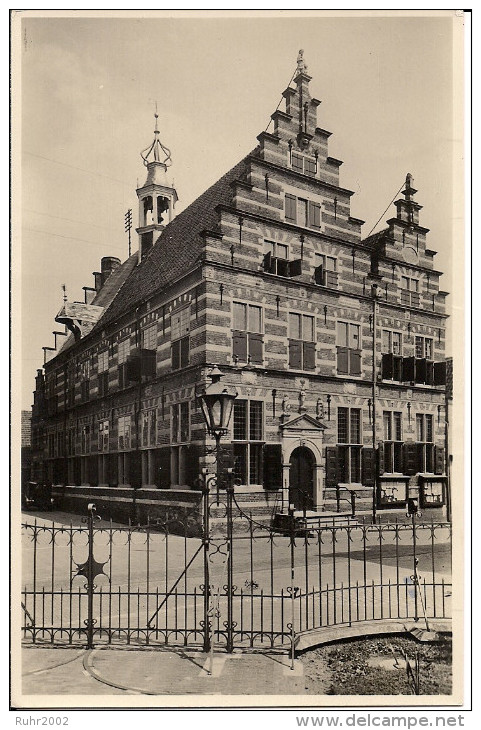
(440, 373)
(256, 349)
(331, 466)
(163, 467)
(272, 466)
(343, 360)
(368, 456)
(295, 354)
(387, 366)
(439, 463)
(408, 369)
(309, 355)
(411, 458)
(380, 458)
(291, 207)
(355, 362)
(314, 215)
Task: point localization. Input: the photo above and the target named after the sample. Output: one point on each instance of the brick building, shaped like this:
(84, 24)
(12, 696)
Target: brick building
(334, 343)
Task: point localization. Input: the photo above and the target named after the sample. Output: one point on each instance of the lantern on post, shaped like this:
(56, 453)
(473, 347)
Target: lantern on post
(217, 403)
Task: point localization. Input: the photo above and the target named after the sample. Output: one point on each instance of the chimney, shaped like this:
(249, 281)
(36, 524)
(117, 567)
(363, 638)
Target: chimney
(98, 280)
(108, 264)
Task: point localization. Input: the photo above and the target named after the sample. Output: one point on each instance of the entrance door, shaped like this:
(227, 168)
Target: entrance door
(301, 479)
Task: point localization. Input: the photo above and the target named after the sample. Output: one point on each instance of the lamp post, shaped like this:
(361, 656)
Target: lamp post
(217, 403)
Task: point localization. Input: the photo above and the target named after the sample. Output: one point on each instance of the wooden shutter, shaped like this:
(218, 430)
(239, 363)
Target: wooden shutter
(380, 458)
(239, 345)
(148, 363)
(295, 354)
(331, 466)
(113, 469)
(420, 370)
(291, 213)
(387, 366)
(184, 351)
(135, 469)
(272, 466)
(295, 267)
(368, 462)
(163, 467)
(408, 370)
(319, 275)
(440, 373)
(176, 355)
(439, 465)
(355, 362)
(343, 360)
(132, 368)
(314, 215)
(93, 471)
(256, 349)
(267, 263)
(192, 463)
(225, 461)
(309, 355)
(411, 458)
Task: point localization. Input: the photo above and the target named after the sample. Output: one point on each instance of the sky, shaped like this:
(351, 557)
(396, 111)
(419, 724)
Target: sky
(87, 88)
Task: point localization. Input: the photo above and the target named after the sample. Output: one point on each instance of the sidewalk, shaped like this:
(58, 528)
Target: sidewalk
(125, 671)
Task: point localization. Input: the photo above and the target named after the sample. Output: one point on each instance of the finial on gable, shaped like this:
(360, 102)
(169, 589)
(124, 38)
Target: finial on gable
(301, 64)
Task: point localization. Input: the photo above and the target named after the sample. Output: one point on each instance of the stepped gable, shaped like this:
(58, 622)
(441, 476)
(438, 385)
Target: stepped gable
(108, 291)
(177, 249)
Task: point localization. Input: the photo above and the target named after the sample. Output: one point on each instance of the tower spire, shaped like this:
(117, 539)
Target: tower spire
(157, 197)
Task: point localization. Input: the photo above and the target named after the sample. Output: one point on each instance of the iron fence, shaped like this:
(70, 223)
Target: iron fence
(245, 586)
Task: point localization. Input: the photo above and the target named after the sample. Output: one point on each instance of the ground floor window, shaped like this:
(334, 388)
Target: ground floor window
(425, 445)
(248, 441)
(349, 440)
(178, 465)
(393, 444)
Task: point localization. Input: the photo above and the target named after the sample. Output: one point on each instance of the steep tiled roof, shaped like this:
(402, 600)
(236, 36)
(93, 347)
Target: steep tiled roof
(373, 240)
(177, 248)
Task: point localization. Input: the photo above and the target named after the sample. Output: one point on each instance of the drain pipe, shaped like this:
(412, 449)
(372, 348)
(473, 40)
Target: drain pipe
(374, 394)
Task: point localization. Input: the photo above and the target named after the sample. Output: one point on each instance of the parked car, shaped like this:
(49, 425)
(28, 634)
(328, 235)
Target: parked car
(37, 496)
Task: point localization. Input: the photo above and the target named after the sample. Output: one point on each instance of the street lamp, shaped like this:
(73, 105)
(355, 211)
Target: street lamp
(217, 402)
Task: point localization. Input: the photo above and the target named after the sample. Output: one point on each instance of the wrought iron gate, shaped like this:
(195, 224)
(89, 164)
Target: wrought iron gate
(241, 584)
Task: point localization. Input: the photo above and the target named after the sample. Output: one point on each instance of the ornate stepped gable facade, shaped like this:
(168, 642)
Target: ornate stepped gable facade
(335, 343)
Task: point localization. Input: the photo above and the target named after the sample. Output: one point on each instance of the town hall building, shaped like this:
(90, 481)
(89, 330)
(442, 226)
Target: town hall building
(335, 343)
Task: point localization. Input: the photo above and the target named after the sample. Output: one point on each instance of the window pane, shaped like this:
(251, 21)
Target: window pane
(302, 218)
(331, 263)
(240, 420)
(342, 426)
(184, 421)
(255, 463)
(386, 341)
(297, 162)
(355, 465)
(342, 334)
(240, 463)
(414, 284)
(405, 282)
(294, 326)
(354, 337)
(355, 426)
(387, 426)
(428, 347)
(308, 328)
(398, 426)
(419, 427)
(429, 427)
(396, 343)
(419, 347)
(282, 251)
(175, 423)
(255, 425)
(240, 316)
(255, 319)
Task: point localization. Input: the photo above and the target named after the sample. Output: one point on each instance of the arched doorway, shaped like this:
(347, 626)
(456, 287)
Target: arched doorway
(301, 478)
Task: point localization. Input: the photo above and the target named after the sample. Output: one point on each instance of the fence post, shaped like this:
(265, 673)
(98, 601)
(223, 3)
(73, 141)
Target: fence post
(206, 541)
(230, 568)
(90, 577)
(293, 588)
